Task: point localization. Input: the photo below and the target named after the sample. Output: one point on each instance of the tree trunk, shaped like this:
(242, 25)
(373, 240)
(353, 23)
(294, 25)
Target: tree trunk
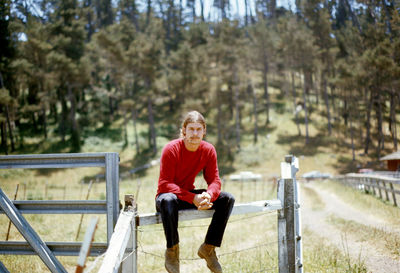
(296, 114)
(326, 99)
(180, 13)
(64, 117)
(265, 82)
(10, 130)
(148, 12)
(136, 134)
(4, 137)
(352, 137)
(388, 17)
(368, 124)
(219, 117)
(381, 137)
(152, 129)
(253, 94)
(202, 10)
(305, 88)
(126, 142)
(44, 122)
(237, 113)
(246, 16)
(392, 119)
(75, 135)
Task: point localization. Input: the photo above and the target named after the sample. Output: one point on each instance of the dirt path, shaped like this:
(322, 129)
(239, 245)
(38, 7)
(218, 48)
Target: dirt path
(316, 220)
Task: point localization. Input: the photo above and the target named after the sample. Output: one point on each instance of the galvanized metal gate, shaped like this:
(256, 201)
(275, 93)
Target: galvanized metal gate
(15, 209)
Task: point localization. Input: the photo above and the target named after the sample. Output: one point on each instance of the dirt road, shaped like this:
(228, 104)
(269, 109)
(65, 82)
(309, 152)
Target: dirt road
(316, 220)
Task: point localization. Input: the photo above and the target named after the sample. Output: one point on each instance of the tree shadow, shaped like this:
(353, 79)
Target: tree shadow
(298, 145)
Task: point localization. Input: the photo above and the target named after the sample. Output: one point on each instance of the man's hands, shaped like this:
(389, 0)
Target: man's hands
(202, 201)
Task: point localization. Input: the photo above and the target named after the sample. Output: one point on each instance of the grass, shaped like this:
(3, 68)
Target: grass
(365, 202)
(384, 240)
(321, 256)
(313, 198)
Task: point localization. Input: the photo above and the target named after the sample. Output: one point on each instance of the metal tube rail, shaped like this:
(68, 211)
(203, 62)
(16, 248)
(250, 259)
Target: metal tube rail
(60, 206)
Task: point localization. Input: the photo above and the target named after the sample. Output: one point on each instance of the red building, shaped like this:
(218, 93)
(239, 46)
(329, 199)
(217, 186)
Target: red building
(393, 161)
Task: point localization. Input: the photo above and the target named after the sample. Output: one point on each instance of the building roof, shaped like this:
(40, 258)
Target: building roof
(392, 156)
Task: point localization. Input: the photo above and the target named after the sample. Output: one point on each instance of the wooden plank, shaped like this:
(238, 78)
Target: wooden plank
(192, 214)
(87, 242)
(118, 243)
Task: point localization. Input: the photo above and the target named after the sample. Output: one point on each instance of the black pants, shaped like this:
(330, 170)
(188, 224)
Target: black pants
(168, 205)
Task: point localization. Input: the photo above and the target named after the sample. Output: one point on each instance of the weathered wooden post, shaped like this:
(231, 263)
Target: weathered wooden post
(129, 264)
(386, 192)
(393, 194)
(379, 188)
(289, 229)
(116, 251)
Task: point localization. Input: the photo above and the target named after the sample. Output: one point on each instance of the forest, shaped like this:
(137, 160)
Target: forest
(71, 66)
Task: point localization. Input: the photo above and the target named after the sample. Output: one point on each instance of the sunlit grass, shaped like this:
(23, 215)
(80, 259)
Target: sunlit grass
(313, 198)
(365, 202)
(384, 240)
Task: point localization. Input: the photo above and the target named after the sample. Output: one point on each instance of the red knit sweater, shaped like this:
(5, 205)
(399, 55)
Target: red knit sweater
(179, 167)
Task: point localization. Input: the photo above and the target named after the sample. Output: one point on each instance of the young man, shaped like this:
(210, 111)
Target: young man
(182, 159)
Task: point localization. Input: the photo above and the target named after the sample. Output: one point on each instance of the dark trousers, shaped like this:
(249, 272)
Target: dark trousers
(168, 205)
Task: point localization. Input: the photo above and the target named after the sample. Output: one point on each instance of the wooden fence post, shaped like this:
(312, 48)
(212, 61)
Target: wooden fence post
(386, 192)
(379, 188)
(289, 261)
(116, 251)
(393, 194)
(129, 264)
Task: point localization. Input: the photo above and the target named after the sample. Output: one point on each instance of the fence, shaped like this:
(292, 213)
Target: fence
(14, 209)
(123, 247)
(372, 183)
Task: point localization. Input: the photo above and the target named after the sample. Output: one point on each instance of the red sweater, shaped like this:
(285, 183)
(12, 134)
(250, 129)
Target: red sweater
(179, 167)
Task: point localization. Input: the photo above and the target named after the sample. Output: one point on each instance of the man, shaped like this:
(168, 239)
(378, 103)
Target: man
(182, 159)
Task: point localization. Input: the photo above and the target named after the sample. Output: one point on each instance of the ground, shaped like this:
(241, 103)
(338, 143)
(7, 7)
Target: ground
(365, 251)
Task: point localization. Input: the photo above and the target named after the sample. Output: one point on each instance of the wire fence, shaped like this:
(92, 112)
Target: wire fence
(240, 220)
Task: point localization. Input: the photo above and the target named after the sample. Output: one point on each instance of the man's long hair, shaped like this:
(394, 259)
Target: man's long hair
(192, 117)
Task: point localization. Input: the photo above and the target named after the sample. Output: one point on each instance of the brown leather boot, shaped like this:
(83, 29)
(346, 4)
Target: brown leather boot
(172, 259)
(207, 252)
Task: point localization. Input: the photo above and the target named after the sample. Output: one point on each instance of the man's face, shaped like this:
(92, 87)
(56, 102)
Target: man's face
(194, 132)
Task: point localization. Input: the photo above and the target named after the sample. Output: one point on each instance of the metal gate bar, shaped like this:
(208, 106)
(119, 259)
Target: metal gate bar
(29, 234)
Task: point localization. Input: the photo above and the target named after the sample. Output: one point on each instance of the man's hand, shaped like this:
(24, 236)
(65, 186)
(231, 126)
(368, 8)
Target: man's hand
(202, 201)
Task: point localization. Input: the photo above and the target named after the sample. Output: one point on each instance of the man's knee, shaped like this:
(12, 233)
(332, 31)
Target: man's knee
(167, 202)
(227, 198)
